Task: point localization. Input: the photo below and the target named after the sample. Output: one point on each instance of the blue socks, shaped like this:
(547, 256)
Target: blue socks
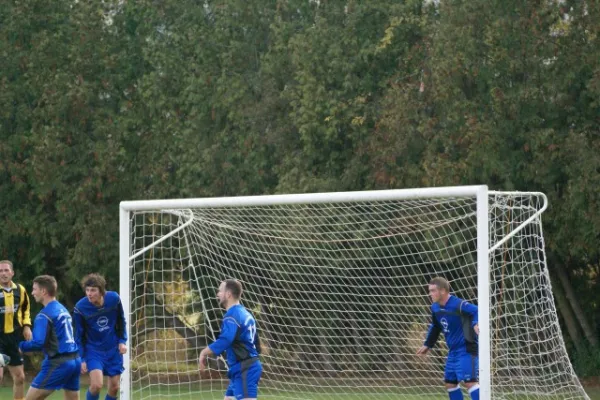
(89, 396)
(474, 392)
(455, 393)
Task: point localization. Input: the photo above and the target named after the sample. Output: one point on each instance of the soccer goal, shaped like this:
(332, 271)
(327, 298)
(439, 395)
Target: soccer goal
(338, 285)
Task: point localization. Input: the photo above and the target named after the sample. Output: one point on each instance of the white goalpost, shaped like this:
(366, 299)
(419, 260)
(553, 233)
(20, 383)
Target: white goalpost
(338, 285)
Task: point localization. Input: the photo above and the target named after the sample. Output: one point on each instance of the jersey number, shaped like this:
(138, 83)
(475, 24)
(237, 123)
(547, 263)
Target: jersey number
(252, 330)
(68, 324)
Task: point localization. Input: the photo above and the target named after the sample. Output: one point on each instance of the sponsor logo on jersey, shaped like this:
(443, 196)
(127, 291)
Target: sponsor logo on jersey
(9, 309)
(102, 323)
(444, 323)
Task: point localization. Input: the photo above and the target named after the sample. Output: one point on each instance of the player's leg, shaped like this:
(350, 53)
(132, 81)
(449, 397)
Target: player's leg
(114, 383)
(246, 382)
(469, 374)
(71, 394)
(113, 368)
(451, 379)
(15, 366)
(2, 351)
(96, 382)
(95, 367)
(37, 394)
(71, 382)
(18, 376)
(230, 392)
(50, 378)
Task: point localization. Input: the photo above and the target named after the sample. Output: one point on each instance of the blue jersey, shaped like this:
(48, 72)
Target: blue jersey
(238, 337)
(52, 332)
(456, 319)
(100, 328)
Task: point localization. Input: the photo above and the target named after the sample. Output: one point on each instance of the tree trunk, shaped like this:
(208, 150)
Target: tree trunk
(570, 293)
(567, 314)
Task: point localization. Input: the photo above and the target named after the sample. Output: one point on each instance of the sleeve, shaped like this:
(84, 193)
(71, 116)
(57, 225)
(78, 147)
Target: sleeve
(40, 332)
(257, 341)
(79, 323)
(433, 332)
(121, 323)
(228, 332)
(470, 310)
(25, 306)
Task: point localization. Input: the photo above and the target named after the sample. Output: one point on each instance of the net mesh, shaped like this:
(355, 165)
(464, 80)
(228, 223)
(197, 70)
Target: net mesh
(339, 292)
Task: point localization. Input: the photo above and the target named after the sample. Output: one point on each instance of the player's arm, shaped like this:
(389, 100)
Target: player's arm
(472, 311)
(79, 322)
(228, 331)
(121, 328)
(433, 333)
(40, 333)
(25, 313)
(257, 341)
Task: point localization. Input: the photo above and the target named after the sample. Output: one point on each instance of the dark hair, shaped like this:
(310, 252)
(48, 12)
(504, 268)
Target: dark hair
(441, 283)
(48, 283)
(235, 287)
(94, 280)
(9, 263)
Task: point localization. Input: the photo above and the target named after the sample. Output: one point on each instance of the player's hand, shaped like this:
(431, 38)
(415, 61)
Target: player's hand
(83, 368)
(202, 359)
(422, 351)
(476, 329)
(27, 333)
(122, 348)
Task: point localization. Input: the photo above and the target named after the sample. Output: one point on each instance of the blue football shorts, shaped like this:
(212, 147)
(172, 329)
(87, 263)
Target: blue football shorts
(244, 384)
(109, 362)
(461, 368)
(58, 375)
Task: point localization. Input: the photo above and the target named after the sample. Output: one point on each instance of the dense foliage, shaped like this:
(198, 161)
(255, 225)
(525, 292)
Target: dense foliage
(120, 100)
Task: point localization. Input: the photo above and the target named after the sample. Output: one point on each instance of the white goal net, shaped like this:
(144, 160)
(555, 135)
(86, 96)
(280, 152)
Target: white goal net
(338, 285)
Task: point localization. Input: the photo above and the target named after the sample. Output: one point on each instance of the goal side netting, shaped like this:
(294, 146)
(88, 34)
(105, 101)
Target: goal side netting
(338, 286)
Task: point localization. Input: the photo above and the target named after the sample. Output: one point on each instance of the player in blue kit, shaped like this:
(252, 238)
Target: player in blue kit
(458, 320)
(101, 334)
(239, 339)
(53, 334)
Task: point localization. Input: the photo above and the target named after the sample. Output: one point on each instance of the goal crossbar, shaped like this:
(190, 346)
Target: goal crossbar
(493, 231)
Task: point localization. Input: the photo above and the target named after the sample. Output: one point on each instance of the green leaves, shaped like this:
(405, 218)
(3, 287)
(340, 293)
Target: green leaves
(182, 98)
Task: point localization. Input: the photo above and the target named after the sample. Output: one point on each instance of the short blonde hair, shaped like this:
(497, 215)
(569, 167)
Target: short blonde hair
(8, 262)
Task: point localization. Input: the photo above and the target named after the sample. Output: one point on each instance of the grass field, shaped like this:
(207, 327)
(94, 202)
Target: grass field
(6, 394)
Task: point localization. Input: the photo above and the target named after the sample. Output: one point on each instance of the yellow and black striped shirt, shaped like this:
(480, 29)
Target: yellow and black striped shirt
(14, 308)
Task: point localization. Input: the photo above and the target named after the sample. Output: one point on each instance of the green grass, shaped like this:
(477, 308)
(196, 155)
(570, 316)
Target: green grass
(165, 394)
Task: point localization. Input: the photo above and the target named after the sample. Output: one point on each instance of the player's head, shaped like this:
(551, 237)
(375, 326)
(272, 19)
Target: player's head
(439, 290)
(44, 288)
(94, 286)
(230, 292)
(6, 272)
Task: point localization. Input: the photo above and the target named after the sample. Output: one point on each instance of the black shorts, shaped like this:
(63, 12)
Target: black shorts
(9, 345)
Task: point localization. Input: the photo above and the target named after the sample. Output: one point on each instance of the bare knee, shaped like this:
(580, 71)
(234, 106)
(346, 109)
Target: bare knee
(114, 384)
(113, 389)
(18, 376)
(95, 387)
